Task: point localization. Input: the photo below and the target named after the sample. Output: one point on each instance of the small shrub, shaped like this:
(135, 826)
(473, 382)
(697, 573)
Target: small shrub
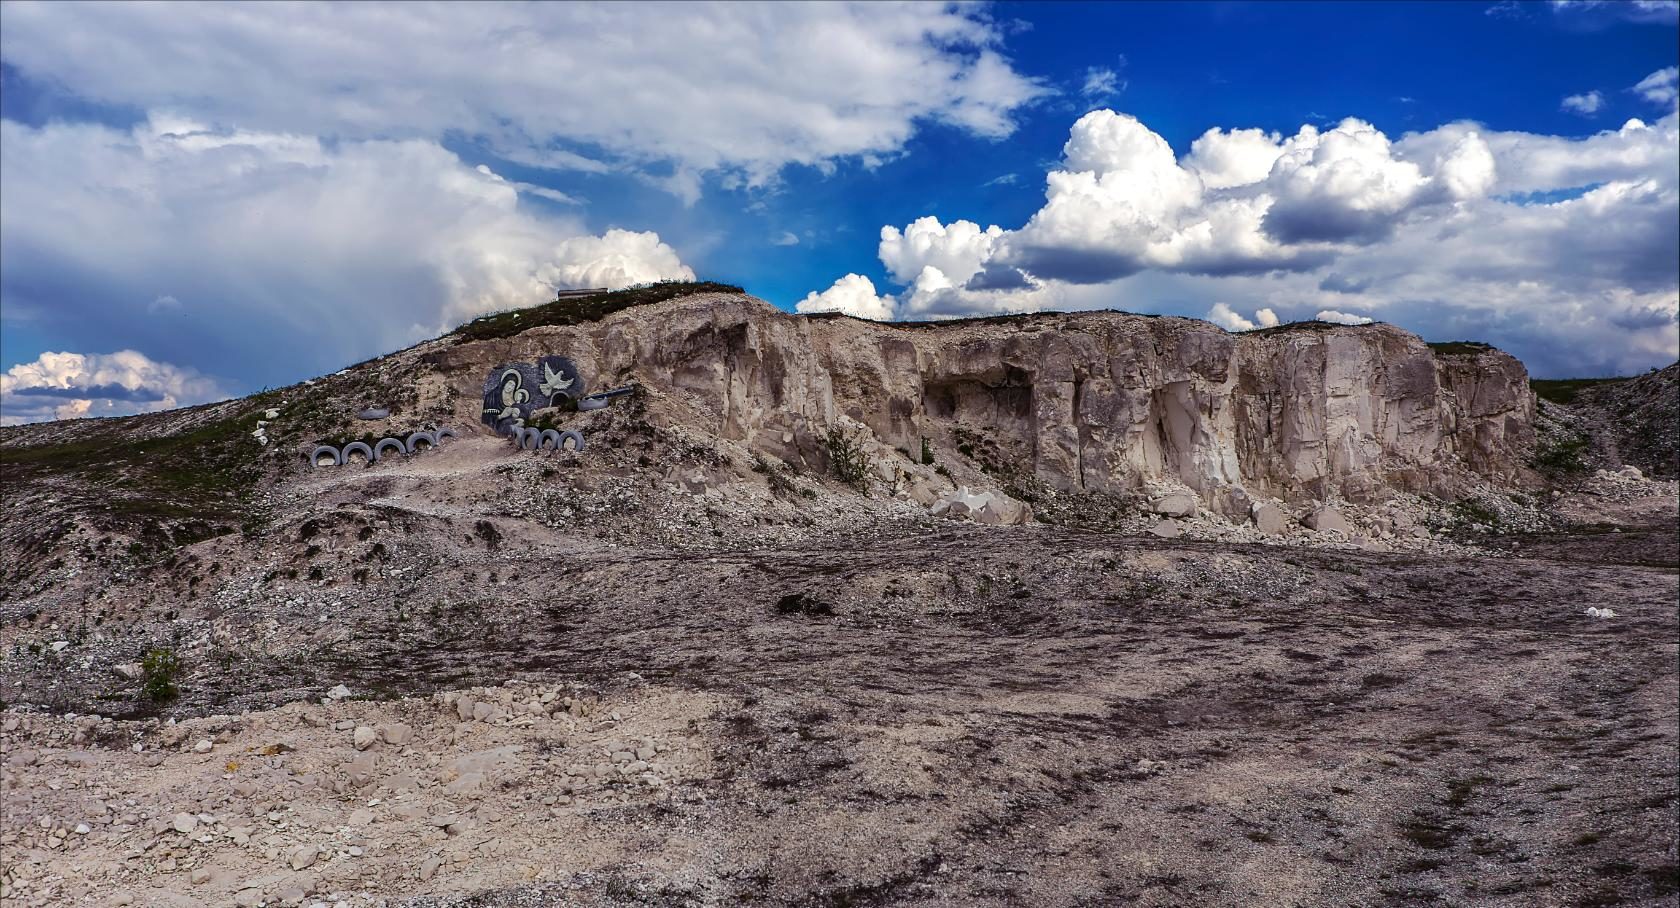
(1564, 458)
(848, 460)
(927, 452)
(1470, 510)
(778, 482)
(801, 604)
(158, 671)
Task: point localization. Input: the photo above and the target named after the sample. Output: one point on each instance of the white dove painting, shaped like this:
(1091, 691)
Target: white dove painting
(554, 380)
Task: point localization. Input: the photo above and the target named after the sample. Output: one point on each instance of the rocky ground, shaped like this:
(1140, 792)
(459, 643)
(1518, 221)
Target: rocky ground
(678, 670)
(913, 712)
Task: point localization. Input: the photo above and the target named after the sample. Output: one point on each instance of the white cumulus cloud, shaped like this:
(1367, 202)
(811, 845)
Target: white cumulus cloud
(958, 249)
(1225, 317)
(617, 258)
(72, 385)
(1341, 318)
(1563, 249)
(1236, 158)
(853, 294)
(334, 251)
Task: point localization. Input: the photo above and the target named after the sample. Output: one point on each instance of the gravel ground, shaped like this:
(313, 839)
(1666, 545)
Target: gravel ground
(969, 716)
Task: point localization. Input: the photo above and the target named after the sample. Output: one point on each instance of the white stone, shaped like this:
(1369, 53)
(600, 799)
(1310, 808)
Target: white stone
(364, 737)
(304, 856)
(1270, 519)
(1326, 519)
(986, 507)
(1177, 504)
(1167, 529)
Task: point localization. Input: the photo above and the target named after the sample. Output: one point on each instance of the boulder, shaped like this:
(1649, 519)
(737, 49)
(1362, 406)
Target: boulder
(1167, 529)
(1176, 504)
(991, 508)
(1327, 519)
(304, 856)
(1233, 502)
(1270, 519)
(364, 737)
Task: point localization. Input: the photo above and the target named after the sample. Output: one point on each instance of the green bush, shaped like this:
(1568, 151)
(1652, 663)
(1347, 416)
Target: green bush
(158, 671)
(778, 482)
(1563, 459)
(927, 451)
(847, 459)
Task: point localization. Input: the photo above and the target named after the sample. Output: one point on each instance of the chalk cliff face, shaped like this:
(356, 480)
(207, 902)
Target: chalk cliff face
(1099, 401)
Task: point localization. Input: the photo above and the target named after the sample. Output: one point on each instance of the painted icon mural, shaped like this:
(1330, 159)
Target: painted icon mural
(514, 391)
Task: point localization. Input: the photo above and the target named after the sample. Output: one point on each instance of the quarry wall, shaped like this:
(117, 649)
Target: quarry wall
(1095, 401)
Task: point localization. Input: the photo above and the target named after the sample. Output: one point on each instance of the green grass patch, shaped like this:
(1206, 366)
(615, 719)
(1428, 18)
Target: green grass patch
(1564, 390)
(583, 309)
(1459, 348)
(1310, 326)
(205, 475)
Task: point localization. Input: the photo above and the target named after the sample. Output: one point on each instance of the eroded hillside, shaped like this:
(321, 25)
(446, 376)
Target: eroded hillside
(747, 648)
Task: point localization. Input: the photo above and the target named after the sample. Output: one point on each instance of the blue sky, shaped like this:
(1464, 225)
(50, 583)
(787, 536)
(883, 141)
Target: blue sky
(195, 202)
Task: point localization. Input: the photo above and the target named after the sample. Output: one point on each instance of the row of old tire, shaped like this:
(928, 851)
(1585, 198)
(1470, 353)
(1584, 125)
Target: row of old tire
(378, 449)
(540, 439)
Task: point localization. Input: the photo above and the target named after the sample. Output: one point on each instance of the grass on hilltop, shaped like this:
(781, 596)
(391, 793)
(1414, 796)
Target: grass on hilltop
(579, 310)
(1459, 348)
(1564, 390)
